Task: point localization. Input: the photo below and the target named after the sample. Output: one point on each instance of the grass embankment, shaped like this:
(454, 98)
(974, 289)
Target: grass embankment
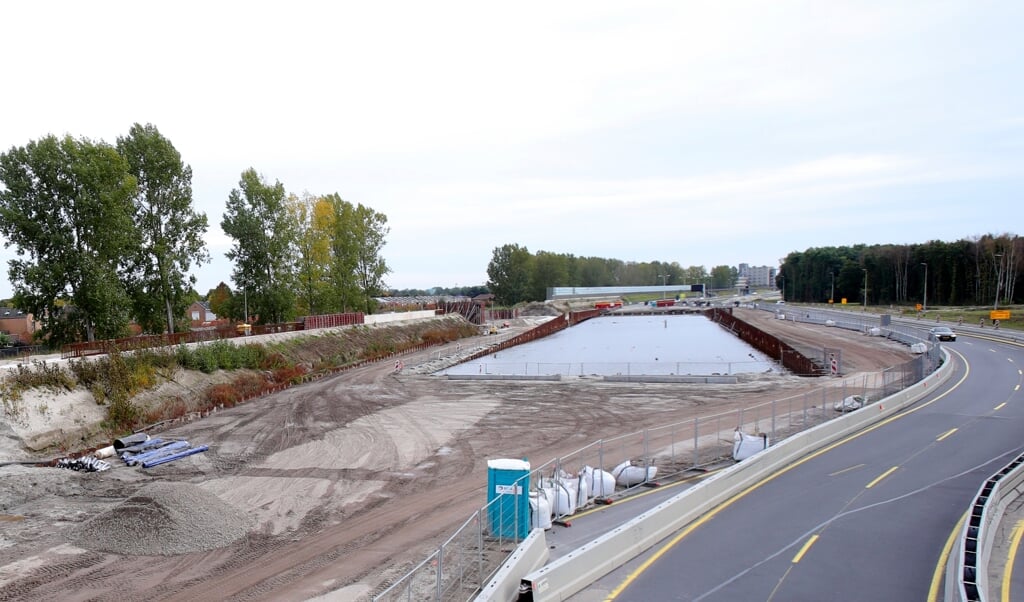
(116, 380)
(950, 316)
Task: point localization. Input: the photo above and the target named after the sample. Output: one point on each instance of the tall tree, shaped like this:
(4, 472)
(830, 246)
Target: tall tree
(171, 230)
(370, 232)
(315, 219)
(357, 266)
(344, 287)
(264, 233)
(549, 270)
(66, 205)
(221, 301)
(509, 274)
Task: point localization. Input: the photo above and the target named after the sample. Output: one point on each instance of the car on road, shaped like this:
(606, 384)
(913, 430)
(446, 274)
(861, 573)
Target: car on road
(942, 333)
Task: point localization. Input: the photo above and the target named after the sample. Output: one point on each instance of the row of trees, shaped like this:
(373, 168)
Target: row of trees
(301, 255)
(104, 233)
(981, 271)
(107, 234)
(516, 275)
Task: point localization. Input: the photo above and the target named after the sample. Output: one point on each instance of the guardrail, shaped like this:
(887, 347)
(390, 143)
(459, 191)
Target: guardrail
(967, 567)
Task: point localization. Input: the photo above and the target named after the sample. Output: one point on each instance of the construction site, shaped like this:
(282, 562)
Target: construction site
(336, 487)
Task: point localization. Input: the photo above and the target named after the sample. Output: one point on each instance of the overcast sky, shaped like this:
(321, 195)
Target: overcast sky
(705, 133)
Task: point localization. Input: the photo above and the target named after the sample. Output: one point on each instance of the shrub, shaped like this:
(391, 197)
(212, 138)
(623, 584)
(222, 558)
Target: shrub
(222, 395)
(289, 374)
(274, 361)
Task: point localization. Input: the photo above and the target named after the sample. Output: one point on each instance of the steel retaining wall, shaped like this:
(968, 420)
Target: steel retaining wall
(768, 344)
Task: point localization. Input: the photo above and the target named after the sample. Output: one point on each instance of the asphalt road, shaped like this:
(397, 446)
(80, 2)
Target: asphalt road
(865, 519)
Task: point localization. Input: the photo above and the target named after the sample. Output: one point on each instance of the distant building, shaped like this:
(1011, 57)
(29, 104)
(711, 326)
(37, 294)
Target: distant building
(18, 324)
(757, 276)
(199, 313)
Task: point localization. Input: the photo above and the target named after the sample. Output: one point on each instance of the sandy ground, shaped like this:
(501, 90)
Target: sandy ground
(349, 480)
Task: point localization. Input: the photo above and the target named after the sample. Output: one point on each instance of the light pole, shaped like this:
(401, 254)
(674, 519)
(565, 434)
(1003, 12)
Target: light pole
(924, 303)
(999, 278)
(865, 289)
(663, 277)
(832, 293)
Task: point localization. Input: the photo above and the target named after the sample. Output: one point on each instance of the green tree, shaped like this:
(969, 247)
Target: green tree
(343, 285)
(549, 270)
(357, 266)
(221, 301)
(509, 274)
(370, 231)
(66, 205)
(264, 234)
(170, 229)
(723, 276)
(314, 218)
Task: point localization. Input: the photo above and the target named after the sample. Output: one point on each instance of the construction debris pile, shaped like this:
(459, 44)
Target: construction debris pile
(83, 464)
(163, 519)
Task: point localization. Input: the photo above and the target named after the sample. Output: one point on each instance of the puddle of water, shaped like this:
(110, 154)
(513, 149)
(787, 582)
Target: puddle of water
(628, 345)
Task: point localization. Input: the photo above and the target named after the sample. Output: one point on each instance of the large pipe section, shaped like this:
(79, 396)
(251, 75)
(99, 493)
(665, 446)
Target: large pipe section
(173, 457)
(170, 448)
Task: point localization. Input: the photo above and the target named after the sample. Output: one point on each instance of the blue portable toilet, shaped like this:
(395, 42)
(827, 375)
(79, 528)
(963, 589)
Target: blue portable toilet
(508, 497)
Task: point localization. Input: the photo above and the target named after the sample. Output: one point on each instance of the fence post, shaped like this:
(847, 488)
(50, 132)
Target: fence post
(647, 454)
(439, 573)
(696, 436)
(480, 547)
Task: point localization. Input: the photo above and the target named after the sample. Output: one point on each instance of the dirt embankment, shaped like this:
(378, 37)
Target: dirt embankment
(343, 483)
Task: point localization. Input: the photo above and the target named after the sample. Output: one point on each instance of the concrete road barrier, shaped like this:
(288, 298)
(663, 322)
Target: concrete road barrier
(529, 555)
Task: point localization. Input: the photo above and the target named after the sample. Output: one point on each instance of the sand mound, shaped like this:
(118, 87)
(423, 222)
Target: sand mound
(163, 519)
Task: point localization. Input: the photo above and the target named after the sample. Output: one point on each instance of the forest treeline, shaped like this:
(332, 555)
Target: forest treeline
(969, 272)
(516, 275)
(107, 234)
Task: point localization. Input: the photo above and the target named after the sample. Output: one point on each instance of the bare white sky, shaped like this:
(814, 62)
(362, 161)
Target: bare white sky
(706, 133)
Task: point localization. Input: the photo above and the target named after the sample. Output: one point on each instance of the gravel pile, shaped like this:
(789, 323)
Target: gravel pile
(163, 519)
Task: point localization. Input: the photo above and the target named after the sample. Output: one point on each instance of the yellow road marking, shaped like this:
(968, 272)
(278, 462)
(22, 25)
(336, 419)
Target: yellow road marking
(803, 550)
(881, 476)
(939, 575)
(948, 433)
(999, 407)
(1018, 531)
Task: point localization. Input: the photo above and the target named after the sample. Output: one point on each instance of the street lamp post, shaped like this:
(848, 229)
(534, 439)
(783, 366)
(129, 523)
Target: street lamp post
(865, 289)
(832, 293)
(924, 303)
(663, 277)
(999, 278)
